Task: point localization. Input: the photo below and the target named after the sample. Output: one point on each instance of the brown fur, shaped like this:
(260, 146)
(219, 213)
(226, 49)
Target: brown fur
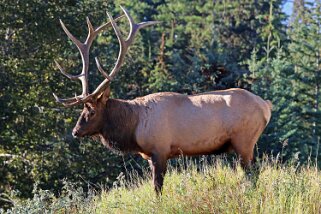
(165, 125)
(118, 132)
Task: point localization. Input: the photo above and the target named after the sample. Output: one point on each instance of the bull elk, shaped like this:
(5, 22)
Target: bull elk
(164, 125)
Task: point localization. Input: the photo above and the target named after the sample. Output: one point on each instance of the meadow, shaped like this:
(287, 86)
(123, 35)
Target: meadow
(209, 186)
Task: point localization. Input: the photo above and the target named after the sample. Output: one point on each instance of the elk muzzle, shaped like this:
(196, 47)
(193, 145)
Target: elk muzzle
(75, 133)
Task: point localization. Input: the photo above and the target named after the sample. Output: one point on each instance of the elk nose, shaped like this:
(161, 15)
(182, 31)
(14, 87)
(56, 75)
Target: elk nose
(75, 133)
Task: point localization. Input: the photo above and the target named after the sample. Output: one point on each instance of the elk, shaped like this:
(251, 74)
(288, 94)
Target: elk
(164, 125)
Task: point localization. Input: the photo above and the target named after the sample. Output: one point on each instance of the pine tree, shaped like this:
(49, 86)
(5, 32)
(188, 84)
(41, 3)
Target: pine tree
(270, 77)
(305, 48)
(292, 81)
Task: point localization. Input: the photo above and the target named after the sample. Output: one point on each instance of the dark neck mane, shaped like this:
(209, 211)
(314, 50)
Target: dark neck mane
(120, 122)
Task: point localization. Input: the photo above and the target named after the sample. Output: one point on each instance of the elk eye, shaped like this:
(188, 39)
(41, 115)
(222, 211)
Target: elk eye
(92, 112)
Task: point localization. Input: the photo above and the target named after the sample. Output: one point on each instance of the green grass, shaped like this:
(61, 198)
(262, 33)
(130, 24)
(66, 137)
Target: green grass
(209, 188)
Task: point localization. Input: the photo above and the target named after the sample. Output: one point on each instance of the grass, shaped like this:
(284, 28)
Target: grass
(201, 188)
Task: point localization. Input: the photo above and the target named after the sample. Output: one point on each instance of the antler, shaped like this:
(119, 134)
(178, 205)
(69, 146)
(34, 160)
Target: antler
(84, 51)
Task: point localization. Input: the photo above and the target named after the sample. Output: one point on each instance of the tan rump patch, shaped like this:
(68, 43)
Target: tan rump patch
(145, 156)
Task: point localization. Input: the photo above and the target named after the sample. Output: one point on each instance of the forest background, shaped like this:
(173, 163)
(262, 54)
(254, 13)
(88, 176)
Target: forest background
(200, 46)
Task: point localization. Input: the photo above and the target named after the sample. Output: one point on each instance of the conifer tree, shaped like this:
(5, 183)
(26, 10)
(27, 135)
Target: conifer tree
(270, 77)
(305, 50)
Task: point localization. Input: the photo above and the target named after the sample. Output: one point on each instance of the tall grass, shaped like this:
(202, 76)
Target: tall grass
(206, 188)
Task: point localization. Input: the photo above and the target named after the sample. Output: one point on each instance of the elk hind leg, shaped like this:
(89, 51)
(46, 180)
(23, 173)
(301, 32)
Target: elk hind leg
(244, 147)
(158, 165)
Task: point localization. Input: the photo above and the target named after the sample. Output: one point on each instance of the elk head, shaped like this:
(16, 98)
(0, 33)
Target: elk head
(95, 102)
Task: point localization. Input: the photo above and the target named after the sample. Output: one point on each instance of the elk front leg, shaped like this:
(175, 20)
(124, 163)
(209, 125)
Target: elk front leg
(158, 166)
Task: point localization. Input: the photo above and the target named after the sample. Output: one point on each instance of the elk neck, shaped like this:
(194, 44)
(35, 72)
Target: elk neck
(119, 126)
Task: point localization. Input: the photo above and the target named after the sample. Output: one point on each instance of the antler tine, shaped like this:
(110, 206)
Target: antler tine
(81, 48)
(70, 103)
(72, 77)
(92, 33)
(102, 70)
(90, 26)
(68, 100)
(123, 47)
(135, 27)
(84, 53)
(76, 41)
(122, 50)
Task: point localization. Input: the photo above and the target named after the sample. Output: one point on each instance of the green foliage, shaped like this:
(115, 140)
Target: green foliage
(36, 144)
(305, 51)
(290, 77)
(72, 200)
(271, 79)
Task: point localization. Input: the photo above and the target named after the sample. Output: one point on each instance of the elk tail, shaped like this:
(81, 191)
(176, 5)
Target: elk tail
(267, 114)
(269, 103)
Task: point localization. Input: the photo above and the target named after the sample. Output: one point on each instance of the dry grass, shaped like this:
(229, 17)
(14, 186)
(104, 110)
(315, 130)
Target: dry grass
(197, 188)
(219, 188)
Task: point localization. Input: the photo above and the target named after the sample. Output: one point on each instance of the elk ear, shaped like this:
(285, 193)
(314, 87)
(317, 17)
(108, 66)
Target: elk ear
(105, 95)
